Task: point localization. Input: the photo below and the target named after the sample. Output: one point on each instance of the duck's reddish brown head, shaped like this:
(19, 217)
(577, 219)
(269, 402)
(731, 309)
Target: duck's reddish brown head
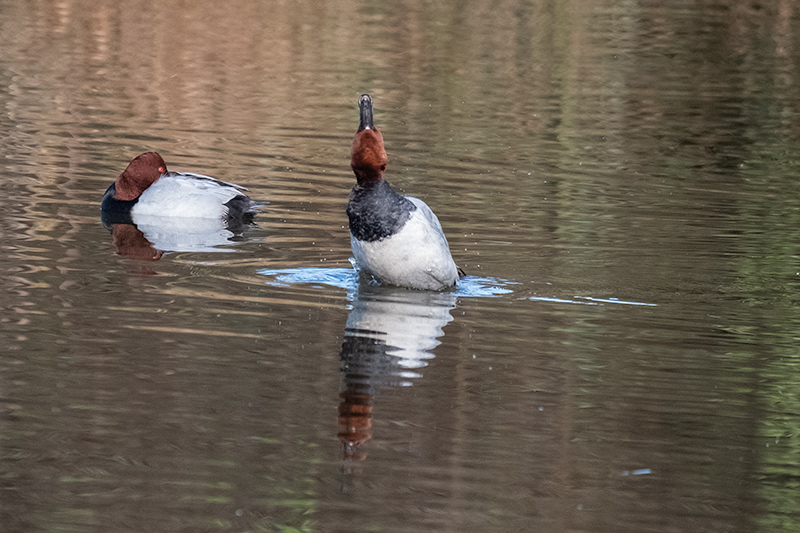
(369, 158)
(140, 174)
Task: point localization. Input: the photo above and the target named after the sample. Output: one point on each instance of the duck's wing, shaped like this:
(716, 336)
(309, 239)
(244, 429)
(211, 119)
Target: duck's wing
(204, 178)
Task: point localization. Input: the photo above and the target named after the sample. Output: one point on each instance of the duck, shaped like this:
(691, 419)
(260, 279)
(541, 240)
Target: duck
(395, 239)
(146, 189)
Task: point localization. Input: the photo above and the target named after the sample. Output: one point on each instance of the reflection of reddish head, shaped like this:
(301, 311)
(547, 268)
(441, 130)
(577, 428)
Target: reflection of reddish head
(130, 242)
(355, 421)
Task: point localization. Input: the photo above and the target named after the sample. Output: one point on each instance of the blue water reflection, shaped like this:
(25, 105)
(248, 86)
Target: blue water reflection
(350, 280)
(589, 300)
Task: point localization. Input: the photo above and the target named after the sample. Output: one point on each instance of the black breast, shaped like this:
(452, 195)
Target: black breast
(377, 212)
(116, 211)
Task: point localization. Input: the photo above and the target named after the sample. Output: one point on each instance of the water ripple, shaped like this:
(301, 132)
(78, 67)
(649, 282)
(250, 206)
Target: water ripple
(589, 300)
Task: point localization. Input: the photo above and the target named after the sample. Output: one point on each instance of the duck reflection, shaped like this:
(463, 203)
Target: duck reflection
(152, 236)
(389, 336)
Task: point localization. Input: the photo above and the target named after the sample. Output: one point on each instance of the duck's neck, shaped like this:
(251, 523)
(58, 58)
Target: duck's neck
(376, 211)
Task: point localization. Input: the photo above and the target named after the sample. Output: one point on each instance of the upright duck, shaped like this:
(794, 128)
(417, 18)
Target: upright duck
(396, 239)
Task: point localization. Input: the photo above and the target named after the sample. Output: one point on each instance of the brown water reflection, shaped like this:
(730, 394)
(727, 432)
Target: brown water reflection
(633, 150)
(130, 242)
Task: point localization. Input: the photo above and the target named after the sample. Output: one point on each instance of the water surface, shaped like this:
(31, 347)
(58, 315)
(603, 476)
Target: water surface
(618, 179)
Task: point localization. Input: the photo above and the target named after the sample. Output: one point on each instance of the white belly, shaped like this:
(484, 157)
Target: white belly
(417, 256)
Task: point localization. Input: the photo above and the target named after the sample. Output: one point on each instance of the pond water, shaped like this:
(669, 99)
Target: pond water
(617, 179)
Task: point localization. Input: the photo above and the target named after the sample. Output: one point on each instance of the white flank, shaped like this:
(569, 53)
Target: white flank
(185, 195)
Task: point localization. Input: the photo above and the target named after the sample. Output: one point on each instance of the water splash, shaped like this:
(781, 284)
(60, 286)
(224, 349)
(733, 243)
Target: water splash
(348, 279)
(467, 287)
(472, 286)
(341, 278)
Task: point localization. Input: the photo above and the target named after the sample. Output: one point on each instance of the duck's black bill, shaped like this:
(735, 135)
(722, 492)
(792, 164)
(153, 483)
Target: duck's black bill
(365, 108)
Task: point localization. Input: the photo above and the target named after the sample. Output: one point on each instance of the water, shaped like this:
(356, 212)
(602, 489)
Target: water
(618, 179)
